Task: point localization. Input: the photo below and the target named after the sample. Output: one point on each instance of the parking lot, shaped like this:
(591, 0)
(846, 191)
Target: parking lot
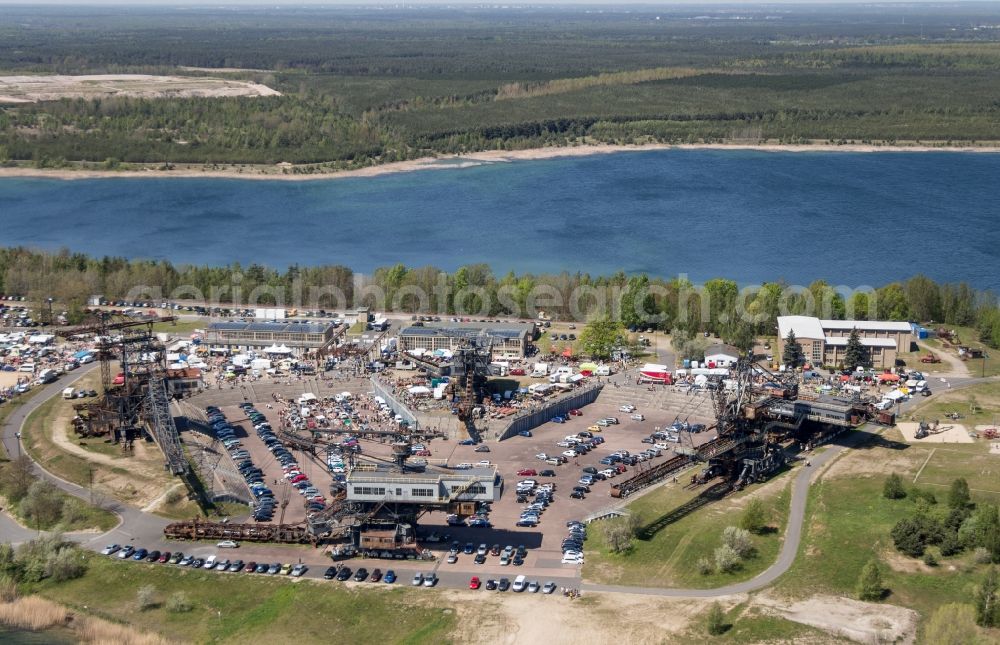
(544, 540)
(543, 561)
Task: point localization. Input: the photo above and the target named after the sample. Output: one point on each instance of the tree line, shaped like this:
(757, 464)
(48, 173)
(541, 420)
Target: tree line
(718, 306)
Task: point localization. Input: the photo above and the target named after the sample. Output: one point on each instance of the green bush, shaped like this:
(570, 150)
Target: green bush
(870, 586)
(753, 518)
(179, 603)
(893, 488)
(715, 623)
(145, 597)
(908, 537)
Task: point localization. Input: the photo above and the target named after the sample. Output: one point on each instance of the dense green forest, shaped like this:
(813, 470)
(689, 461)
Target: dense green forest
(719, 305)
(372, 86)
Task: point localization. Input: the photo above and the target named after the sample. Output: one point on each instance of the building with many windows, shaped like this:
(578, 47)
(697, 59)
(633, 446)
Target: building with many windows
(508, 341)
(824, 342)
(292, 338)
(433, 486)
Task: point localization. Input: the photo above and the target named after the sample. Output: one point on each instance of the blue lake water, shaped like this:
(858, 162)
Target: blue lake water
(851, 218)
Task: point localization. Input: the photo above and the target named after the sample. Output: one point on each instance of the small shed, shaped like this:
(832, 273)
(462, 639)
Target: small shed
(721, 355)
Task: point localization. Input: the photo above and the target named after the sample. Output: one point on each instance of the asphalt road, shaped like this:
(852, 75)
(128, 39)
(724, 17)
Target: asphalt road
(146, 529)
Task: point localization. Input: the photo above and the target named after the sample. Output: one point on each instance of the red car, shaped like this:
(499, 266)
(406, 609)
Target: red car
(474, 583)
(526, 472)
(164, 557)
(517, 371)
(621, 468)
(575, 413)
(423, 453)
(298, 478)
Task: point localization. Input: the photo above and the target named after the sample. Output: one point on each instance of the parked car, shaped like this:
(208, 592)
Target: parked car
(228, 544)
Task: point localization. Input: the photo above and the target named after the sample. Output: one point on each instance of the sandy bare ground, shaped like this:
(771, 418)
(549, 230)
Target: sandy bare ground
(283, 171)
(957, 368)
(624, 619)
(954, 433)
(863, 622)
(22, 89)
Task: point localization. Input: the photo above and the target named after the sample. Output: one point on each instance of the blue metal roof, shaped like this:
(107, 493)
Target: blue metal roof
(272, 327)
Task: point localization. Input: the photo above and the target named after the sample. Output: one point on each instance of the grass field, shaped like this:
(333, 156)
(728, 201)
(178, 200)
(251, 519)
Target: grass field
(848, 522)
(669, 557)
(245, 609)
(180, 327)
(978, 405)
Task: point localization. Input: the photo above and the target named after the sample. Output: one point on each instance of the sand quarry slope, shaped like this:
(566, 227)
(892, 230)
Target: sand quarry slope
(31, 89)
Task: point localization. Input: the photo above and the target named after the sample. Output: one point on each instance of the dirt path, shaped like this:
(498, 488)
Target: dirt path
(957, 367)
(144, 479)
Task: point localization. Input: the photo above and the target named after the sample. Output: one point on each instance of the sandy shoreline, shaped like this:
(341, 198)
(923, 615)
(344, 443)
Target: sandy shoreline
(445, 162)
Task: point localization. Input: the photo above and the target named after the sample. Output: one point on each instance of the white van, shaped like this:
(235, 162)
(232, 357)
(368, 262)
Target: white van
(68, 393)
(27, 367)
(520, 583)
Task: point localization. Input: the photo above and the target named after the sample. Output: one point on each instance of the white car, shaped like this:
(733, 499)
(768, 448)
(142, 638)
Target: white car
(661, 446)
(228, 544)
(563, 444)
(541, 456)
(418, 579)
(609, 472)
(572, 560)
(627, 408)
(430, 580)
(638, 417)
(569, 454)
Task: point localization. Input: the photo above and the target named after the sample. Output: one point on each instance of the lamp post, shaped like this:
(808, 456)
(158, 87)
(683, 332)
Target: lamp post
(49, 300)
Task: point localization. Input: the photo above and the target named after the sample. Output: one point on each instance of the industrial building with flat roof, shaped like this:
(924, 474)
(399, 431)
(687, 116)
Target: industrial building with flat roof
(298, 337)
(508, 341)
(385, 483)
(824, 342)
